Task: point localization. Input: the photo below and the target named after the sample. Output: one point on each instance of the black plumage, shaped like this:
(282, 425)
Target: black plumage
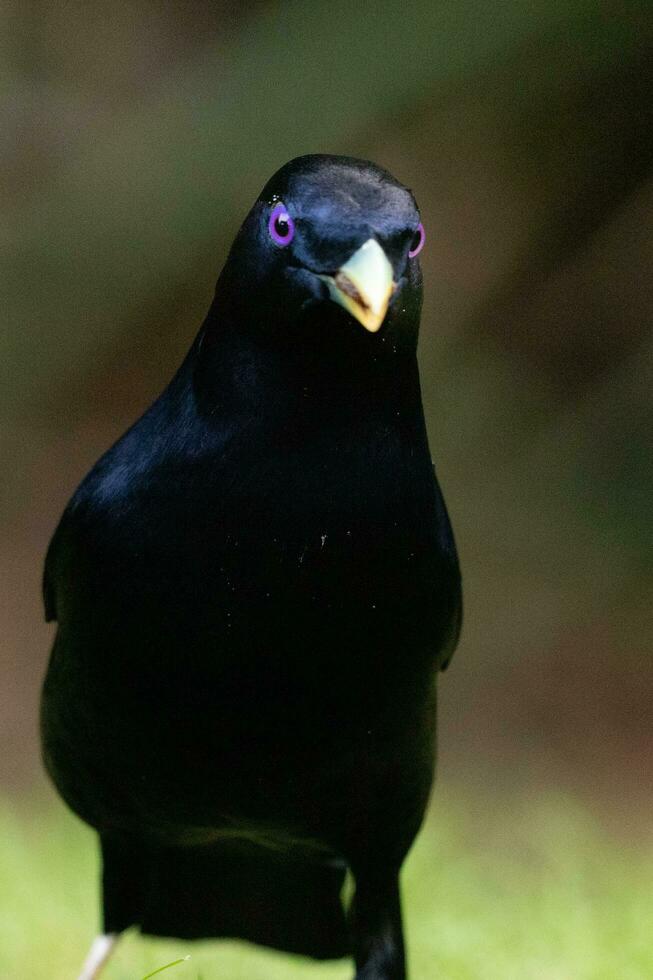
(255, 588)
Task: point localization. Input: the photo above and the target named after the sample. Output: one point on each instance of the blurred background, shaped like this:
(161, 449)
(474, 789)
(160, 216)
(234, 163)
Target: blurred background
(134, 137)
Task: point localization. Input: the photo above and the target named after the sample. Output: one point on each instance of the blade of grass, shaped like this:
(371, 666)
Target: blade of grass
(167, 966)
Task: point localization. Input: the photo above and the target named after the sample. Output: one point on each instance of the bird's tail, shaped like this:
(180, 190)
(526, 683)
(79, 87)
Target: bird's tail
(232, 889)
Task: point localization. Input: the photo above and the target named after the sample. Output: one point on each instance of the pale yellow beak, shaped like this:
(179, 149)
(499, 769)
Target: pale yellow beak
(363, 285)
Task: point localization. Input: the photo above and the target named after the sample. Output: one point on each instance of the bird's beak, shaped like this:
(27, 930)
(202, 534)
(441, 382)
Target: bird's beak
(363, 285)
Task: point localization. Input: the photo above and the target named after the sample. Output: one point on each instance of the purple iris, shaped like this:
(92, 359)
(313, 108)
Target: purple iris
(418, 242)
(281, 226)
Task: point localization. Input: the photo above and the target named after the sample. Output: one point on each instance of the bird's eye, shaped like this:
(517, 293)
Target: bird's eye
(281, 226)
(417, 243)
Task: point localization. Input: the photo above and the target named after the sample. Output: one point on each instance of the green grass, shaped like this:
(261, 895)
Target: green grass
(494, 890)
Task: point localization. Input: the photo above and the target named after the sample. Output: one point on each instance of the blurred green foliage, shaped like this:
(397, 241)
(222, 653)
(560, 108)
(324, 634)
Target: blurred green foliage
(495, 889)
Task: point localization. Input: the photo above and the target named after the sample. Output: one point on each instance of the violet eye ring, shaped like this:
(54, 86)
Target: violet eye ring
(417, 243)
(281, 226)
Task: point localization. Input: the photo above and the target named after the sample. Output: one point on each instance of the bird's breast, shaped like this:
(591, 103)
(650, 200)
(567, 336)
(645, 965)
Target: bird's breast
(250, 643)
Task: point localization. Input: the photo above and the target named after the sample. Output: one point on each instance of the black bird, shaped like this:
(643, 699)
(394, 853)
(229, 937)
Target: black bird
(255, 589)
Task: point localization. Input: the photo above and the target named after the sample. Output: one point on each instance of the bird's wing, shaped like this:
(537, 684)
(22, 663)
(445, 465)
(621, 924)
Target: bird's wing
(448, 547)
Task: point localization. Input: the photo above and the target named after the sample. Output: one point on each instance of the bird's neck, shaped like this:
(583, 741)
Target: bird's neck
(320, 370)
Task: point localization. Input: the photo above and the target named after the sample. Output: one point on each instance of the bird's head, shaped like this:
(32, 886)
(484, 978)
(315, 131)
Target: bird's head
(330, 244)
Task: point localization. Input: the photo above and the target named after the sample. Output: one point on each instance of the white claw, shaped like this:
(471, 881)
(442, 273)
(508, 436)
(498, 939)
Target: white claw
(100, 951)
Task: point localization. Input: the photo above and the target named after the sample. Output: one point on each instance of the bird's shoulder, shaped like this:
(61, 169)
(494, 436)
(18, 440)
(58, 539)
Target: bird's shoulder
(108, 512)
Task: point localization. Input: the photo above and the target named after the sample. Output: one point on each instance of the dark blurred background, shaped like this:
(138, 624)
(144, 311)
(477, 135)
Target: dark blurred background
(135, 136)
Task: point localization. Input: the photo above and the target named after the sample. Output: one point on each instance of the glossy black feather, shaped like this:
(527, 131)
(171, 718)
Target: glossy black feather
(255, 588)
